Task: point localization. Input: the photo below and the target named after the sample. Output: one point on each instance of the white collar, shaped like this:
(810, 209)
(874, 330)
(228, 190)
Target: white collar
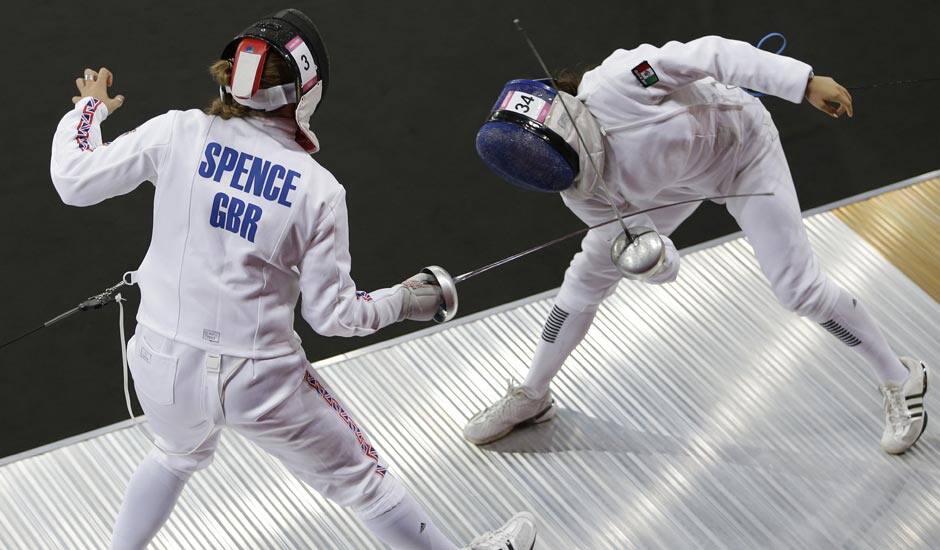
(268, 99)
(282, 129)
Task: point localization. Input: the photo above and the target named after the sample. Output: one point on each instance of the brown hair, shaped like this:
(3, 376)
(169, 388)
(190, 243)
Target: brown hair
(275, 73)
(569, 79)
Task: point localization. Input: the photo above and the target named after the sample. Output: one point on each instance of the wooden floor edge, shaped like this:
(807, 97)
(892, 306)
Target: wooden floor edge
(904, 226)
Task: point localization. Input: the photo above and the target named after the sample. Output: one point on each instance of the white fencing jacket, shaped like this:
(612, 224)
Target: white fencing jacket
(244, 222)
(676, 120)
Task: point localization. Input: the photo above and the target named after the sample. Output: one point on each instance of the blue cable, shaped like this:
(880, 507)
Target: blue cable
(760, 44)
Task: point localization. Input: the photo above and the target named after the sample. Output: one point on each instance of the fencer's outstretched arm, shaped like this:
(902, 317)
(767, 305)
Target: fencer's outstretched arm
(84, 170)
(330, 302)
(733, 62)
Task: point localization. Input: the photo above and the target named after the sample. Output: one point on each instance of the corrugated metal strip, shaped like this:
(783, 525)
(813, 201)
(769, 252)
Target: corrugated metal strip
(695, 415)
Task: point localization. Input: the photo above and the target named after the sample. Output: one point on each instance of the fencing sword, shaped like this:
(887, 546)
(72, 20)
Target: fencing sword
(448, 284)
(888, 83)
(97, 301)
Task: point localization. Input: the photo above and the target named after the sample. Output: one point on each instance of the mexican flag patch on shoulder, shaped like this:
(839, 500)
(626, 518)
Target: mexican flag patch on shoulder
(645, 74)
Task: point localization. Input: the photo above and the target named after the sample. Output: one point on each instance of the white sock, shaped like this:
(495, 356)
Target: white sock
(562, 333)
(407, 526)
(148, 502)
(851, 323)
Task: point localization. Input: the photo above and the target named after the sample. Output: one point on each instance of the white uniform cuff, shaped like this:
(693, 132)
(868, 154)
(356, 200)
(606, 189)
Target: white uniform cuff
(101, 111)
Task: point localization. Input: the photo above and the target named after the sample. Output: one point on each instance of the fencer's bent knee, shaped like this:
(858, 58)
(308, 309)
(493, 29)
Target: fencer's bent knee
(813, 299)
(578, 297)
(389, 494)
(584, 289)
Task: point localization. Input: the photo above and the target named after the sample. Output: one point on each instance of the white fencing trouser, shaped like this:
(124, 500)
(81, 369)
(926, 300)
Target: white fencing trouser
(773, 227)
(590, 279)
(280, 404)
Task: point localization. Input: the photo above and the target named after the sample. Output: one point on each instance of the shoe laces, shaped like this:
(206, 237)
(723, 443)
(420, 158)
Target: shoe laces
(497, 409)
(895, 408)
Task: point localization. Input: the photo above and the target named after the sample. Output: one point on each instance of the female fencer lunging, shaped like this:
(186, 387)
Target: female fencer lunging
(663, 125)
(244, 223)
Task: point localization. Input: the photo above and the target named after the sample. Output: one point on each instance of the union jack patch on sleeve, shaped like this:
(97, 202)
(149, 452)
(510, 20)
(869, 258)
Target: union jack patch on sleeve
(83, 133)
(645, 74)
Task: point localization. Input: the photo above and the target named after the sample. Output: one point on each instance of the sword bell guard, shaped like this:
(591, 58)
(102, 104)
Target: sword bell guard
(448, 309)
(639, 259)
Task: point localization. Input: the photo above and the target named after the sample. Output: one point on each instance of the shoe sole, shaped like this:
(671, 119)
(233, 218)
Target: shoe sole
(544, 415)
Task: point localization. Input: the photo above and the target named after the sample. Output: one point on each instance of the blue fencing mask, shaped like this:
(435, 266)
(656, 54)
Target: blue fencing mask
(530, 141)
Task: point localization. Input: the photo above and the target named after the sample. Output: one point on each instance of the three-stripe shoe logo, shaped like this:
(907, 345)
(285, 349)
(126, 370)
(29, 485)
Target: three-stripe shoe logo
(915, 402)
(916, 408)
(841, 333)
(553, 325)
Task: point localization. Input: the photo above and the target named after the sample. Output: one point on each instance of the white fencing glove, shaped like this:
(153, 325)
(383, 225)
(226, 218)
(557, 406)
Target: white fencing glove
(423, 297)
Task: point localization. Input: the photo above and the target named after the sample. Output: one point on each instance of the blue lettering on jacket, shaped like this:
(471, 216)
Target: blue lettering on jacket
(248, 174)
(235, 216)
(240, 169)
(288, 187)
(207, 167)
(227, 161)
(257, 176)
(271, 191)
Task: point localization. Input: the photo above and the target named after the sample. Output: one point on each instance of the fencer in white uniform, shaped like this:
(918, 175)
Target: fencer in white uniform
(663, 125)
(245, 222)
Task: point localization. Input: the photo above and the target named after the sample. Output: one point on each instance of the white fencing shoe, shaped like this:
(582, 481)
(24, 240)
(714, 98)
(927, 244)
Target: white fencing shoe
(517, 534)
(516, 408)
(905, 415)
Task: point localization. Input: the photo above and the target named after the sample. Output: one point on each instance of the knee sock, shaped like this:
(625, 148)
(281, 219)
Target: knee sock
(851, 323)
(563, 332)
(148, 502)
(407, 526)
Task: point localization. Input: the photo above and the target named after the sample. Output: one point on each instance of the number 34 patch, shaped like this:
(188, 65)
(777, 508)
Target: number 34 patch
(645, 74)
(529, 105)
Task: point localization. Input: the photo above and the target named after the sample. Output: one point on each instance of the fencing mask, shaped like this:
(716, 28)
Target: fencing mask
(293, 36)
(530, 141)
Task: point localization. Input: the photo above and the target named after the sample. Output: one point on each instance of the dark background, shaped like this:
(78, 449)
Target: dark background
(411, 82)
